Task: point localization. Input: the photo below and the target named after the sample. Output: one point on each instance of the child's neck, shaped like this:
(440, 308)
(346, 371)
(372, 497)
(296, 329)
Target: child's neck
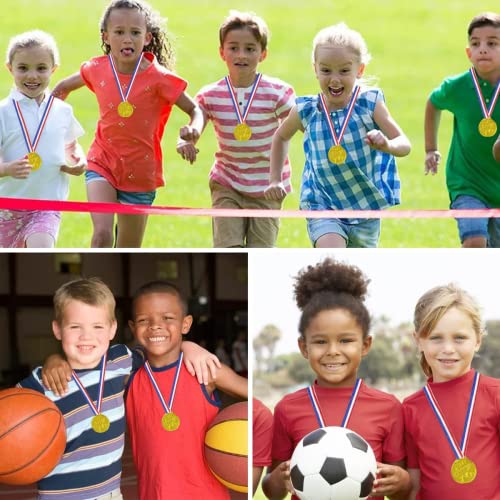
(242, 81)
(493, 77)
(161, 360)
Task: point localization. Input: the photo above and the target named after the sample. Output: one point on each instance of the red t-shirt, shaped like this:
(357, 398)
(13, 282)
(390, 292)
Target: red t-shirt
(127, 151)
(429, 450)
(376, 416)
(262, 434)
(170, 464)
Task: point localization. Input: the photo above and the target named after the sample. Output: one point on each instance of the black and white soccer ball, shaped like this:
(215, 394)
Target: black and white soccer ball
(333, 463)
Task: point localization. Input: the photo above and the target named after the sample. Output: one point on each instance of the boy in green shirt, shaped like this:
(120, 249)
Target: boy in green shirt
(472, 175)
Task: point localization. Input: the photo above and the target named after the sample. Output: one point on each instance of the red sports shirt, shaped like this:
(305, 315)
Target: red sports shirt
(127, 151)
(262, 434)
(429, 450)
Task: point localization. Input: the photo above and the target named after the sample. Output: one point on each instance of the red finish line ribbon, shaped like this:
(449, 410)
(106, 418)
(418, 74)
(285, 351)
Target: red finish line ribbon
(118, 208)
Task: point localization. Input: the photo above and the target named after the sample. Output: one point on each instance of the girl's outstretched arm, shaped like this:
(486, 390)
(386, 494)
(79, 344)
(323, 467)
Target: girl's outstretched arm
(231, 383)
(390, 138)
(190, 133)
(279, 150)
(64, 87)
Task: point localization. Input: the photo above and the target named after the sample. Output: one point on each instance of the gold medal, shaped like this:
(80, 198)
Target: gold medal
(463, 470)
(242, 132)
(487, 127)
(170, 421)
(125, 109)
(337, 154)
(100, 423)
(35, 160)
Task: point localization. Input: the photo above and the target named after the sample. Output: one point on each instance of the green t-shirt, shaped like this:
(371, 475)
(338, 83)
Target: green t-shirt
(470, 168)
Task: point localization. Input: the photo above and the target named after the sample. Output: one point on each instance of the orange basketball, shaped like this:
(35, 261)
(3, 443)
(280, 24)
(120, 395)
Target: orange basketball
(32, 436)
(226, 447)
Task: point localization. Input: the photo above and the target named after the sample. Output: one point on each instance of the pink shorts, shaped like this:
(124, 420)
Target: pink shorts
(17, 226)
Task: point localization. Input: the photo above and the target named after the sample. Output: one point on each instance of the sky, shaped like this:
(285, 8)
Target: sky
(398, 278)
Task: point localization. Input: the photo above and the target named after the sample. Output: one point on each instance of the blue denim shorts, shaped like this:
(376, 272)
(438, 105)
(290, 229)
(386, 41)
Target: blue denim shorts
(488, 228)
(362, 234)
(125, 197)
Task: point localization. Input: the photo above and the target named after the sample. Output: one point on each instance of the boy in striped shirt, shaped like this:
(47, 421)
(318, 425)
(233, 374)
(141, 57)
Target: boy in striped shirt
(246, 108)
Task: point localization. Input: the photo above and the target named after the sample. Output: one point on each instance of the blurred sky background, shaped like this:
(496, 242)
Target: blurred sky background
(398, 278)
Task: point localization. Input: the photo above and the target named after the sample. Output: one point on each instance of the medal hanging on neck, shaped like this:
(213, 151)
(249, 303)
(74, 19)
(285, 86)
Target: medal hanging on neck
(337, 154)
(242, 131)
(100, 423)
(170, 421)
(463, 469)
(125, 108)
(34, 158)
(317, 411)
(487, 126)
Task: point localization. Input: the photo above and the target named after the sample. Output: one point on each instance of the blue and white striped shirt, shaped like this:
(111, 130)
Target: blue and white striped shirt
(368, 180)
(91, 464)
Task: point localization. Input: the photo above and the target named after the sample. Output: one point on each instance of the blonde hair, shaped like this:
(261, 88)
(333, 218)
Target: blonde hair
(436, 302)
(341, 35)
(90, 291)
(35, 38)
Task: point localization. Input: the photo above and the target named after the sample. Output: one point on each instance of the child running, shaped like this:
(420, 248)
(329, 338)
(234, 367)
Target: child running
(38, 143)
(334, 337)
(350, 141)
(168, 410)
(472, 174)
(135, 90)
(452, 424)
(246, 108)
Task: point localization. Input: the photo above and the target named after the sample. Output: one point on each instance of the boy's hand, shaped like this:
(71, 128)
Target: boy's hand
(199, 362)
(56, 373)
(284, 471)
(187, 150)
(275, 191)
(432, 159)
(189, 134)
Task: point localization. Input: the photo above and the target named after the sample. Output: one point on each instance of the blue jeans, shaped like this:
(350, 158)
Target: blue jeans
(125, 197)
(364, 234)
(484, 227)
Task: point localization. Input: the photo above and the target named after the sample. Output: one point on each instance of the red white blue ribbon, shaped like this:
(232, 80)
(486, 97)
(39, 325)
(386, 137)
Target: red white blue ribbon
(317, 410)
(352, 102)
(459, 451)
(134, 74)
(149, 371)
(242, 117)
(96, 408)
(33, 145)
(486, 111)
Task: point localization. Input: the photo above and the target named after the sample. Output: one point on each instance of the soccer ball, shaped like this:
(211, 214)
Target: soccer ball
(333, 463)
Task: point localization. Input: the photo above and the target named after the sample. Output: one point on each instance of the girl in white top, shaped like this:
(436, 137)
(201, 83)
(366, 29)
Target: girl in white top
(38, 143)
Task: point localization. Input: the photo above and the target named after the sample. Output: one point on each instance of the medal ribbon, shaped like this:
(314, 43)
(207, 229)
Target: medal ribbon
(317, 411)
(96, 408)
(486, 111)
(336, 139)
(459, 451)
(166, 407)
(33, 145)
(134, 74)
(232, 93)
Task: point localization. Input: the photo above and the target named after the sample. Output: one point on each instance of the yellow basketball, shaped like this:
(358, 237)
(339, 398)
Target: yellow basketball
(226, 447)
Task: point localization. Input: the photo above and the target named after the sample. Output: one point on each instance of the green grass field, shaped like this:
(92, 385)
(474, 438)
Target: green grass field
(414, 45)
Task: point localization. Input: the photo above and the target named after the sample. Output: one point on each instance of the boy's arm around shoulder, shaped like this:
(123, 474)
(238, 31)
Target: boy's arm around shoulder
(64, 87)
(230, 382)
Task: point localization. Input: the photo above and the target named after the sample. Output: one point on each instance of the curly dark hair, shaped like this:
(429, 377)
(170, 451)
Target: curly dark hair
(160, 44)
(331, 285)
